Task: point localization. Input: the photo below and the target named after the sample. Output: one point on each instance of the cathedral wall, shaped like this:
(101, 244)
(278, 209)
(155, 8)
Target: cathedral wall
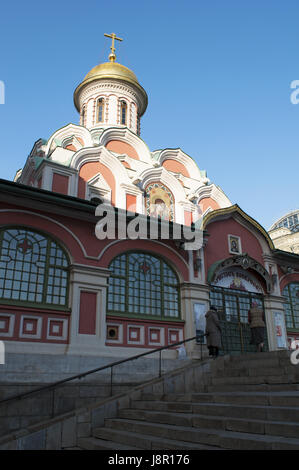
(82, 325)
(176, 167)
(207, 202)
(90, 169)
(60, 183)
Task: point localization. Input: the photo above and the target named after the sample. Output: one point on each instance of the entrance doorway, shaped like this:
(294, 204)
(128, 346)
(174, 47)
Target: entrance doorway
(232, 306)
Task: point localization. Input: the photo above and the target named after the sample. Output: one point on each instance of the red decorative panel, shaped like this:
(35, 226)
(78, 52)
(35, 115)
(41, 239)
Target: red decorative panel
(4, 324)
(32, 324)
(134, 334)
(131, 202)
(155, 335)
(173, 336)
(60, 183)
(143, 333)
(187, 218)
(55, 328)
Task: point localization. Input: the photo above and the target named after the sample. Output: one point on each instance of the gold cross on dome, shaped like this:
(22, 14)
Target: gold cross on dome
(113, 36)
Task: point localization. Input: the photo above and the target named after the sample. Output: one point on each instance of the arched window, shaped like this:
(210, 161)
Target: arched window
(100, 110)
(143, 285)
(123, 112)
(291, 294)
(33, 269)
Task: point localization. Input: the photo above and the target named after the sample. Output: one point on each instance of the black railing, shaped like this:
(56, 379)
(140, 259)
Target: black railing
(54, 385)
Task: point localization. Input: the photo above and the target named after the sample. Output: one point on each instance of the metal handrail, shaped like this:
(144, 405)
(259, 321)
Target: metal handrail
(98, 369)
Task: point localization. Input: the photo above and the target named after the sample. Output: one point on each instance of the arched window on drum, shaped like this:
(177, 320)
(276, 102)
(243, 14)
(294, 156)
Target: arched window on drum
(100, 110)
(123, 113)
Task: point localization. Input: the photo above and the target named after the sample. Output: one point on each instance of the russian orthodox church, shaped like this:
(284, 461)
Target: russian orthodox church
(64, 292)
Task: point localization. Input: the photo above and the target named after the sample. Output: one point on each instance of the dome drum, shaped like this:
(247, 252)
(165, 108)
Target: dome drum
(111, 80)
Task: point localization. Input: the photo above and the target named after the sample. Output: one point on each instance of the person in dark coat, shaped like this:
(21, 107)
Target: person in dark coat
(213, 332)
(256, 320)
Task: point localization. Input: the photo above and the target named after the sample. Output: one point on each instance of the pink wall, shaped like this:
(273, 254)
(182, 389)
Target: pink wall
(79, 240)
(60, 183)
(121, 148)
(217, 247)
(187, 218)
(176, 167)
(131, 202)
(90, 169)
(207, 202)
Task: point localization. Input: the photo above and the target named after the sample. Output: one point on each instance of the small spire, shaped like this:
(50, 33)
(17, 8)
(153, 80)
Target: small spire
(112, 55)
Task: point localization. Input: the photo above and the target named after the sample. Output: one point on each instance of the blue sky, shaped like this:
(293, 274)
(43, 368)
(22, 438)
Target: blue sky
(217, 74)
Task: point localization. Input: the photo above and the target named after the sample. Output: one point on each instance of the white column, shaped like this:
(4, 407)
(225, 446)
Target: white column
(275, 322)
(88, 279)
(194, 298)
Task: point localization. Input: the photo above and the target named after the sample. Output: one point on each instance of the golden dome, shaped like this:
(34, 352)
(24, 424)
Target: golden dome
(110, 70)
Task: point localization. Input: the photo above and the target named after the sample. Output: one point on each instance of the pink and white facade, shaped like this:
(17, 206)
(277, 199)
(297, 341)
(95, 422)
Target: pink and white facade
(65, 292)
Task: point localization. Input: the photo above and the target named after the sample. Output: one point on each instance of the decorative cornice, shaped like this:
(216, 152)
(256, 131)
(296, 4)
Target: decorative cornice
(114, 85)
(235, 209)
(245, 262)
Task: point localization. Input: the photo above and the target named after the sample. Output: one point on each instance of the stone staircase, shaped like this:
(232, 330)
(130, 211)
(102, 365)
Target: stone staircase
(245, 402)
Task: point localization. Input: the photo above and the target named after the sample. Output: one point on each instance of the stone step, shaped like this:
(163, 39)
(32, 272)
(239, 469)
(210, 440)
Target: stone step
(252, 426)
(274, 413)
(282, 364)
(179, 419)
(254, 379)
(245, 398)
(147, 442)
(256, 372)
(257, 361)
(175, 406)
(248, 357)
(281, 428)
(217, 438)
(262, 387)
(93, 443)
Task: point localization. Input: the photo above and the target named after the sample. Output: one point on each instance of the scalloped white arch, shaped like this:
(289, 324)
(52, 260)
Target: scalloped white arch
(102, 155)
(161, 174)
(66, 133)
(181, 157)
(215, 193)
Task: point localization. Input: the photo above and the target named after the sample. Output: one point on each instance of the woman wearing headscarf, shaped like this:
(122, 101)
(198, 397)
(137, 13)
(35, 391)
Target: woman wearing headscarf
(213, 332)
